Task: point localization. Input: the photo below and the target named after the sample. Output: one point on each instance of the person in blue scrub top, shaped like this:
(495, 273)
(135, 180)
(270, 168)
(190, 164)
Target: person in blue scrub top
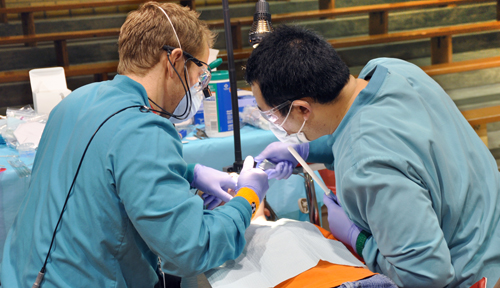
(417, 190)
(131, 212)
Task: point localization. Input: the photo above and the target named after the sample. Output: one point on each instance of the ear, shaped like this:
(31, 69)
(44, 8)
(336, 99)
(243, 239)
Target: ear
(303, 107)
(177, 59)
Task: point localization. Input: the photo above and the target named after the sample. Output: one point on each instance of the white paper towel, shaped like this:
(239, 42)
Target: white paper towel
(29, 132)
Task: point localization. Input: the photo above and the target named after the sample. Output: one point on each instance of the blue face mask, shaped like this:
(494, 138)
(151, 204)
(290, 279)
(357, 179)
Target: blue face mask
(196, 98)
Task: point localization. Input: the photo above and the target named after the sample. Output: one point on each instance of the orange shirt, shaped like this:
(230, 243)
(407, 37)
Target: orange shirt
(326, 274)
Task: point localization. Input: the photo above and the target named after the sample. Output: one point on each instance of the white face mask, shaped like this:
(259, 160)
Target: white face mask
(282, 135)
(196, 97)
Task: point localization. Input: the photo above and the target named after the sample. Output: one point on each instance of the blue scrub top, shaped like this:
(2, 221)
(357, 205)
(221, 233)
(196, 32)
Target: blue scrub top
(131, 201)
(411, 171)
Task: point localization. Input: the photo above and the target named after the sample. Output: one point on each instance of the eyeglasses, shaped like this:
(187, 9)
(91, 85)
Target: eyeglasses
(269, 114)
(203, 79)
(205, 74)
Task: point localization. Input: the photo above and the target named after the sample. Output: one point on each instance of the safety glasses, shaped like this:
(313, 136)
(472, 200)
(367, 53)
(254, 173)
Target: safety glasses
(270, 114)
(204, 78)
(205, 74)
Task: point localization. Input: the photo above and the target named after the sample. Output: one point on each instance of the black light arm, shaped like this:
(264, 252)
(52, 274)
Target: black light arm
(260, 27)
(238, 161)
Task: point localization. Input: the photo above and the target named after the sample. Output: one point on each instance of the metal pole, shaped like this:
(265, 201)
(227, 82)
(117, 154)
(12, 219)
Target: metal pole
(238, 161)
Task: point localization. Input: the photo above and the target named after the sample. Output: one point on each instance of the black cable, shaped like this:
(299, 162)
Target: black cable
(184, 115)
(42, 271)
(158, 111)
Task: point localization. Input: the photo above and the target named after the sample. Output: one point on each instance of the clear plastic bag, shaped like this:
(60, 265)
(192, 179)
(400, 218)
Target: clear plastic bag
(252, 116)
(16, 117)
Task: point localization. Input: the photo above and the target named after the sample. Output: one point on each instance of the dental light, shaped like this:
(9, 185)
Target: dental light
(261, 23)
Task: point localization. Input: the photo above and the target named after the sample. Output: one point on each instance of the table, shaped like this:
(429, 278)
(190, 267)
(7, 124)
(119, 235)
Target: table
(13, 188)
(217, 153)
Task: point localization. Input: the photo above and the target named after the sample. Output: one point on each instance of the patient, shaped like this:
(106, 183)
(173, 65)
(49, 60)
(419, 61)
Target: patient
(324, 274)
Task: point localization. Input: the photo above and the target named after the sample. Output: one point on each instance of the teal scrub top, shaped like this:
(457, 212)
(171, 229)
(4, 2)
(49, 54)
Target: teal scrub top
(411, 171)
(131, 202)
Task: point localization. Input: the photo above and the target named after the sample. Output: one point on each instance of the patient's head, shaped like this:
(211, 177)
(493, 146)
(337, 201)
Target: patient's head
(263, 213)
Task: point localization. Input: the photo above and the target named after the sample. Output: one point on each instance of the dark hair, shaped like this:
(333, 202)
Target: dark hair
(292, 63)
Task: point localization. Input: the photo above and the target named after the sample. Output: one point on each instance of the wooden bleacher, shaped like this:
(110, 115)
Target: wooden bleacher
(440, 40)
(378, 14)
(28, 19)
(28, 11)
(441, 46)
(100, 71)
(441, 50)
(60, 40)
(478, 118)
(378, 22)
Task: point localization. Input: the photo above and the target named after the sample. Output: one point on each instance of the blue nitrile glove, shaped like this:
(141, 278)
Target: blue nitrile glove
(210, 201)
(253, 178)
(341, 226)
(277, 152)
(213, 182)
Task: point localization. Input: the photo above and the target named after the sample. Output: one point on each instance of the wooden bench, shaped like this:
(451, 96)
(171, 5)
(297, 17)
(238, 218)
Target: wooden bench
(441, 45)
(110, 67)
(60, 40)
(378, 15)
(441, 50)
(462, 66)
(478, 118)
(100, 71)
(28, 19)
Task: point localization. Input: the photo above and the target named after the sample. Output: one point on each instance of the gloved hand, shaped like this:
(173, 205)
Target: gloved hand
(210, 201)
(277, 152)
(253, 178)
(341, 226)
(213, 182)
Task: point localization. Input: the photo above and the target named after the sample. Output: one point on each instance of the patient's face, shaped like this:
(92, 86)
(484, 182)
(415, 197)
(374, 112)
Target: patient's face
(259, 214)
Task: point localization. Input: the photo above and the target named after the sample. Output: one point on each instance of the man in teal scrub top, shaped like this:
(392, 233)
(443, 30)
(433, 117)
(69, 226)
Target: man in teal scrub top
(132, 200)
(417, 190)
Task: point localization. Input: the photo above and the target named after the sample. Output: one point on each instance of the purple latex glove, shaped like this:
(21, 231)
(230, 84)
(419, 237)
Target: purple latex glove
(210, 201)
(277, 152)
(341, 226)
(213, 182)
(253, 178)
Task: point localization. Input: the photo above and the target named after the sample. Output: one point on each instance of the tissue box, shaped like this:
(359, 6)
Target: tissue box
(44, 102)
(48, 86)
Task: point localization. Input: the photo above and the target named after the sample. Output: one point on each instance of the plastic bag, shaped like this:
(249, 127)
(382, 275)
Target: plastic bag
(251, 115)
(15, 118)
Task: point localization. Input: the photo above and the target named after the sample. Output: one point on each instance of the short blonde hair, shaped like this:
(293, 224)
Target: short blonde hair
(146, 30)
